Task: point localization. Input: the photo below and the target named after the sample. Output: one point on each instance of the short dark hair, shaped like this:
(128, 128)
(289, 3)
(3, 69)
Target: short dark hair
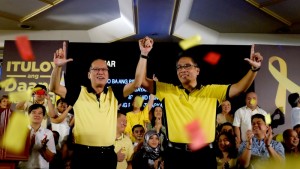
(258, 116)
(36, 106)
(293, 98)
(136, 126)
(3, 97)
(296, 126)
(60, 100)
(188, 55)
(286, 133)
(41, 86)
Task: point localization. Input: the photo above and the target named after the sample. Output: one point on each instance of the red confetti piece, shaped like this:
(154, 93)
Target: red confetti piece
(196, 134)
(212, 58)
(24, 48)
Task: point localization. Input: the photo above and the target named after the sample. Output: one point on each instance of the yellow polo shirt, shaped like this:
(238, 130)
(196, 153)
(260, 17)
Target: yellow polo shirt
(95, 121)
(124, 143)
(182, 108)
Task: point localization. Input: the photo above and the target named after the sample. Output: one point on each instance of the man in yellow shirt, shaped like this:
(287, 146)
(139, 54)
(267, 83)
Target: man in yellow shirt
(95, 110)
(191, 101)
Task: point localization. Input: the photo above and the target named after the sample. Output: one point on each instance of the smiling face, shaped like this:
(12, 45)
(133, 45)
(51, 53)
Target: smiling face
(62, 106)
(226, 107)
(121, 123)
(153, 141)
(259, 127)
(98, 73)
(158, 112)
(138, 133)
(292, 140)
(4, 103)
(224, 143)
(187, 70)
(36, 116)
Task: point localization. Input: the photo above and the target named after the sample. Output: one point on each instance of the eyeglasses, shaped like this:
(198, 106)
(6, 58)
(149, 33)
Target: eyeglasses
(186, 67)
(99, 69)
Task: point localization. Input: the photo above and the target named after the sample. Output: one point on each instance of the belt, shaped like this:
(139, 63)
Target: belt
(183, 146)
(179, 146)
(96, 148)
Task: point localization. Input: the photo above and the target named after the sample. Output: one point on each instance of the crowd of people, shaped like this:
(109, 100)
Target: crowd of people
(86, 128)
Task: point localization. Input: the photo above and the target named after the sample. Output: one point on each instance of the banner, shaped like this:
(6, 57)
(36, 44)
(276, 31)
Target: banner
(277, 78)
(28, 73)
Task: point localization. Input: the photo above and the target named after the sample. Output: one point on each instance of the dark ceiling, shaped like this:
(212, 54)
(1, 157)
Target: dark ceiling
(161, 19)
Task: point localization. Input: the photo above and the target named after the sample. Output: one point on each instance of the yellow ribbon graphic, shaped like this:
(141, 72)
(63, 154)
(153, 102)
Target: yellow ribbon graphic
(283, 82)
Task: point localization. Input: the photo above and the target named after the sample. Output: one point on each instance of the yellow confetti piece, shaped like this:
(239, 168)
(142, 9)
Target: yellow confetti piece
(36, 89)
(14, 138)
(7, 82)
(190, 42)
(252, 101)
(268, 119)
(139, 101)
(123, 150)
(21, 96)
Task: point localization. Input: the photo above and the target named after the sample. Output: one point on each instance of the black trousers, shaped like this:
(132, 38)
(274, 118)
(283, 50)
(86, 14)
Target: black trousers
(94, 157)
(179, 157)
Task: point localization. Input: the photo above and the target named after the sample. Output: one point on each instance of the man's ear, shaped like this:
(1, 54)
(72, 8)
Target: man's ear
(198, 70)
(89, 75)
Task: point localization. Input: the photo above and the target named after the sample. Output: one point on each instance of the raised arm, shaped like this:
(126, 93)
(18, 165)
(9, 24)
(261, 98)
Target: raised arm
(145, 47)
(243, 85)
(61, 118)
(245, 157)
(59, 60)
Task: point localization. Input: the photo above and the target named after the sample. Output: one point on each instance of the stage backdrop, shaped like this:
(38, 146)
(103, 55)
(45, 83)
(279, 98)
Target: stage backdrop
(278, 77)
(29, 73)
(122, 57)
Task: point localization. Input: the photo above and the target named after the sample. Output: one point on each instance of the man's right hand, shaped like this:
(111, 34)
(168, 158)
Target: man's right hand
(120, 155)
(60, 55)
(146, 45)
(249, 135)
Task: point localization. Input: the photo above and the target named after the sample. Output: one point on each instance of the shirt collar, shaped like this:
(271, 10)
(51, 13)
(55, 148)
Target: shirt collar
(91, 90)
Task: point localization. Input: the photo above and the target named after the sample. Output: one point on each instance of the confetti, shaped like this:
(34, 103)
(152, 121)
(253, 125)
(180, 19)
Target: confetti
(252, 101)
(196, 134)
(7, 82)
(21, 96)
(268, 119)
(212, 58)
(14, 138)
(190, 42)
(24, 48)
(139, 101)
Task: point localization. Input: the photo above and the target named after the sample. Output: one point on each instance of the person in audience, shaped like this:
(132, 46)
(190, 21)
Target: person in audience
(138, 132)
(226, 151)
(294, 101)
(157, 125)
(259, 145)
(40, 96)
(95, 109)
(182, 103)
(138, 116)
(4, 102)
(149, 155)
(42, 146)
(226, 127)
(225, 115)
(57, 162)
(297, 129)
(291, 142)
(61, 123)
(123, 144)
(242, 117)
